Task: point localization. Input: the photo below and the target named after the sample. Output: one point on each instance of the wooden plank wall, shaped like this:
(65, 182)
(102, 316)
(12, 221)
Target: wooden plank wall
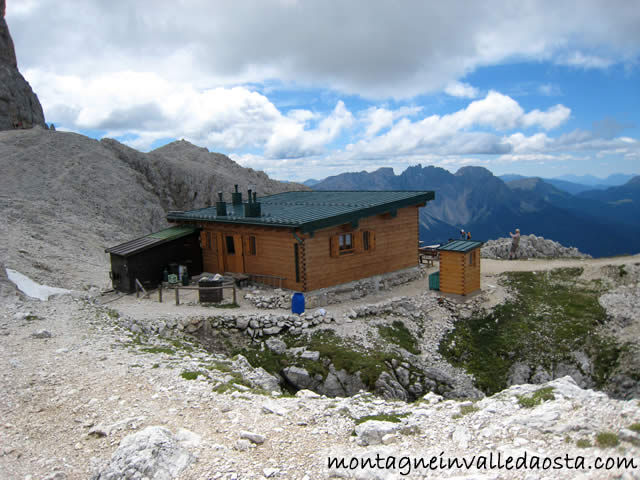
(274, 251)
(456, 275)
(396, 248)
(472, 276)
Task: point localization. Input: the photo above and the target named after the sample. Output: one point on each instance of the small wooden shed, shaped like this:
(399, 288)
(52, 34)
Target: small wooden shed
(145, 258)
(460, 267)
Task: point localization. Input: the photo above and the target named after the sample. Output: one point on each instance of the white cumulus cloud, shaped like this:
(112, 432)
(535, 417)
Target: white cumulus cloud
(460, 89)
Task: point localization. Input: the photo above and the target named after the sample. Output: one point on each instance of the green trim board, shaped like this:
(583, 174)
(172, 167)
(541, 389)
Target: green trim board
(460, 246)
(311, 211)
(143, 243)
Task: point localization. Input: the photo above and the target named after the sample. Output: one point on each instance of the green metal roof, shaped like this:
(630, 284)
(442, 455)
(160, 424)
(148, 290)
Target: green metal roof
(151, 240)
(310, 211)
(460, 246)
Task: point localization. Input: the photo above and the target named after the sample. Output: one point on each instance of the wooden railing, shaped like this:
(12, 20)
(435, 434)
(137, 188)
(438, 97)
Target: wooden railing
(177, 289)
(140, 288)
(270, 280)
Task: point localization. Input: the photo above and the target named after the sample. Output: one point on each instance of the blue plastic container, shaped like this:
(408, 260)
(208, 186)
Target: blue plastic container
(297, 303)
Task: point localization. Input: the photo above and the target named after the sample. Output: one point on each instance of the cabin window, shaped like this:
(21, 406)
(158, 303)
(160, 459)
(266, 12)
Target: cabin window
(346, 243)
(352, 242)
(253, 251)
(231, 248)
(472, 259)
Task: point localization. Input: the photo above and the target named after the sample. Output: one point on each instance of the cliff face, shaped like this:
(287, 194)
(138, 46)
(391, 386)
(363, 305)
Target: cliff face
(19, 105)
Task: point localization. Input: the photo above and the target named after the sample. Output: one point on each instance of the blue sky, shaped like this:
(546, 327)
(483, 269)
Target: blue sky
(305, 89)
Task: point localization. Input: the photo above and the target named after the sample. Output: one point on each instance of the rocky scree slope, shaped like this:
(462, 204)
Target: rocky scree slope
(83, 398)
(65, 197)
(19, 105)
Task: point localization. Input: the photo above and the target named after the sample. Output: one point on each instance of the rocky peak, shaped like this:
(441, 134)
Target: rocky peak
(7, 52)
(19, 106)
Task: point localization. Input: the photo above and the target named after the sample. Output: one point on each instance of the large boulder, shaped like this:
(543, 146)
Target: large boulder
(151, 454)
(19, 106)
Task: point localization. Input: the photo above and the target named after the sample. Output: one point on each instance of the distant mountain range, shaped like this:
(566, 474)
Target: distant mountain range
(599, 222)
(576, 184)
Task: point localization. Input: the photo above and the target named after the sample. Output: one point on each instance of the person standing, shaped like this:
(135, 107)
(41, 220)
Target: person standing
(462, 234)
(468, 235)
(515, 241)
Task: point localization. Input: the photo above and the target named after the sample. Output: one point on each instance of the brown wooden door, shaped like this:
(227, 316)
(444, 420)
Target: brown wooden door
(233, 253)
(210, 245)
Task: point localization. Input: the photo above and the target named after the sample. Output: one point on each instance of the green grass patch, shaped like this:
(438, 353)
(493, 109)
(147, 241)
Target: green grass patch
(383, 417)
(635, 427)
(190, 375)
(167, 350)
(333, 349)
(399, 334)
(552, 315)
(467, 409)
(220, 366)
(536, 398)
(607, 440)
(622, 271)
(583, 443)
(32, 318)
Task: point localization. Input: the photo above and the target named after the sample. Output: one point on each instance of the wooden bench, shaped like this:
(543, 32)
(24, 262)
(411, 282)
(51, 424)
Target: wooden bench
(426, 255)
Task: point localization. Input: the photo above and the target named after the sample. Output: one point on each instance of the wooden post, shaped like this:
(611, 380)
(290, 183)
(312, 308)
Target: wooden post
(160, 293)
(234, 293)
(177, 296)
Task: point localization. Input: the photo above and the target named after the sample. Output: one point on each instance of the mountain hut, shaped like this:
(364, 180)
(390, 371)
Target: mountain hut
(309, 240)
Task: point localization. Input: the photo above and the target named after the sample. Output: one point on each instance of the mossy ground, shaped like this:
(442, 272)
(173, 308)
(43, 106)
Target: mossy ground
(383, 417)
(333, 350)
(551, 316)
(399, 334)
(607, 440)
(536, 398)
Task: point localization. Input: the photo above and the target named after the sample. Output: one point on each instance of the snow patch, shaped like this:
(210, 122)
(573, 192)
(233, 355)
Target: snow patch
(33, 289)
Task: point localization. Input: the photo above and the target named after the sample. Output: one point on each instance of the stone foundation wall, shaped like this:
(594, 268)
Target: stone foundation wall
(280, 298)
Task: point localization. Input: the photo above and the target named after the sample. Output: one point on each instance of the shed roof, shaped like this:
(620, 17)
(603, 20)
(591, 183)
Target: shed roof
(151, 240)
(460, 246)
(310, 211)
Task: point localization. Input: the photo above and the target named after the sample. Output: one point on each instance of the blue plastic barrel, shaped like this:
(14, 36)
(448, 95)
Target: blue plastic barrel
(297, 303)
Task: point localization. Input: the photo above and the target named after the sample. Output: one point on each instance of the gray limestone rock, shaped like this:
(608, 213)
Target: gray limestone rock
(388, 388)
(276, 345)
(42, 334)
(153, 453)
(299, 378)
(373, 431)
(19, 106)
(253, 437)
(519, 373)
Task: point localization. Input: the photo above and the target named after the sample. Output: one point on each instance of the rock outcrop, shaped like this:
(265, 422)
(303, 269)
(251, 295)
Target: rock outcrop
(151, 453)
(531, 246)
(65, 197)
(19, 105)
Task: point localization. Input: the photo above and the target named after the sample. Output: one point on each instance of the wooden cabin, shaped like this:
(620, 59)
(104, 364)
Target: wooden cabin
(460, 267)
(145, 258)
(310, 240)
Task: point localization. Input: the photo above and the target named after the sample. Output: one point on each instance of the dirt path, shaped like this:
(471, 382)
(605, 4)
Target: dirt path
(491, 268)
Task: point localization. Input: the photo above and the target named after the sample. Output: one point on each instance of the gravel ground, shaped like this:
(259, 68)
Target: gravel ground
(91, 376)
